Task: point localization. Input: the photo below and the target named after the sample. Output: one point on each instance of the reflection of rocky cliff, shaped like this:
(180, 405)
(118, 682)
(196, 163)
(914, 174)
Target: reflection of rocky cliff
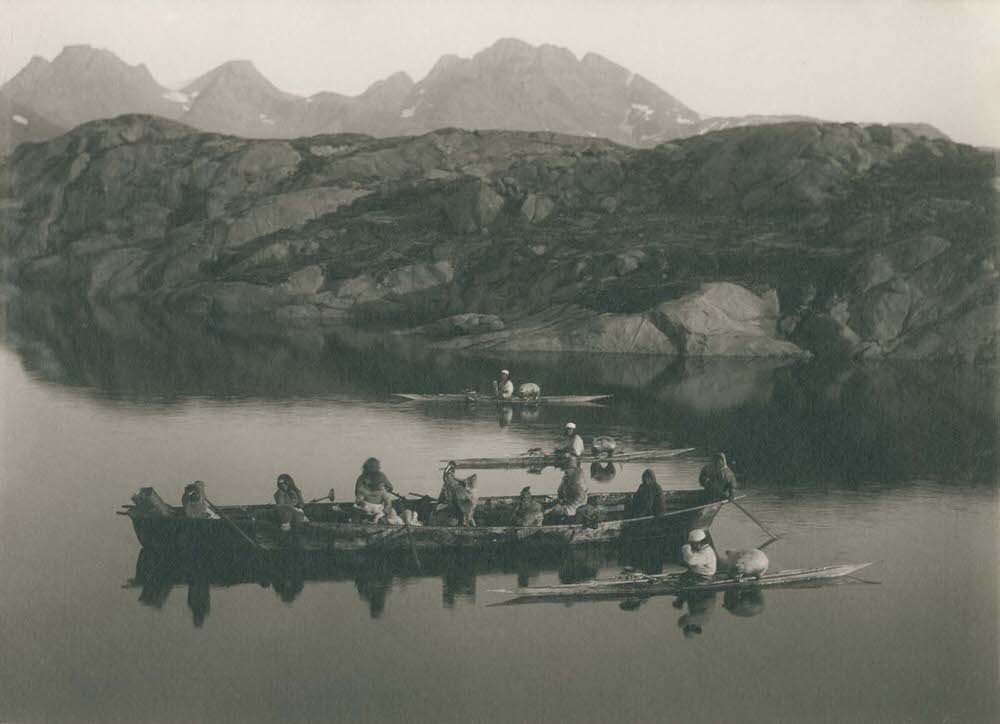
(840, 239)
(779, 422)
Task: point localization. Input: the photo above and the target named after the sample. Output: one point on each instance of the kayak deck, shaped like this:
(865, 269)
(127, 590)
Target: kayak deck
(668, 583)
(472, 398)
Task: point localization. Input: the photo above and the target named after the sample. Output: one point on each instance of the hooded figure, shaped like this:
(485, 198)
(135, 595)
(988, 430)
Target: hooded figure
(288, 492)
(527, 511)
(371, 491)
(289, 502)
(648, 499)
(718, 479)
(193, 500)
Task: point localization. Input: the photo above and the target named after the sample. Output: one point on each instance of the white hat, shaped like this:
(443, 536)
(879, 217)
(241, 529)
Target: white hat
(570, 425)
(505, 372)
(696, 535)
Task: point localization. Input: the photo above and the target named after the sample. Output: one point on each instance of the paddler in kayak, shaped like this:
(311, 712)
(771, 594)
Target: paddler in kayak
(699, 556)
(504, 387)
(718, 479)
(571, 444)
(372, 489)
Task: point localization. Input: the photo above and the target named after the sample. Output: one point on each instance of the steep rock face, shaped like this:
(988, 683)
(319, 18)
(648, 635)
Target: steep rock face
(724, 320)
(877, 242)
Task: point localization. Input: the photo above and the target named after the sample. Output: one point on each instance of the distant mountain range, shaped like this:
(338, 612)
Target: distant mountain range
(510, 86)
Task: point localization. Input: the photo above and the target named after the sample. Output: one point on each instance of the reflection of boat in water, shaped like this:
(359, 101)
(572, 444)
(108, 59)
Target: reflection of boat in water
(332, 529)
(641, 585)
(288, 572)
(473, 398)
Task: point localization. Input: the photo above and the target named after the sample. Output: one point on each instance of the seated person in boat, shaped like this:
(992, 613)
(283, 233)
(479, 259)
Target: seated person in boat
(372, 489)
(572, 491)
(648, 498)
(288, 502)
(571, 444)
(718, 479)
(193, 500)
(527, 511)
(698, 555)
(457, 500)
(504, 387)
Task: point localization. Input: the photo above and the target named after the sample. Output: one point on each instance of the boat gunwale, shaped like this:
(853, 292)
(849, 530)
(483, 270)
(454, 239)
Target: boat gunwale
(406, 529)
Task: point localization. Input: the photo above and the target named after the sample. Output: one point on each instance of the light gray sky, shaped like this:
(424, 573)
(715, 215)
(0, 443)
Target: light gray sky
(880, 60)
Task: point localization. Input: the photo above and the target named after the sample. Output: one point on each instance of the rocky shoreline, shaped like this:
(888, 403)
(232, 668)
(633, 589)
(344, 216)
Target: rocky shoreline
(833, 240)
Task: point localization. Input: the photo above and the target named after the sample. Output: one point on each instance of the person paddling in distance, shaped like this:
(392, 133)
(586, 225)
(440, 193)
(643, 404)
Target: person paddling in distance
(699, 556)
(504, 387)
(571, 444)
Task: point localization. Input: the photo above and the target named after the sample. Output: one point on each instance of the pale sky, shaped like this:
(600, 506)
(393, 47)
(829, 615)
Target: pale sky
(852, 60)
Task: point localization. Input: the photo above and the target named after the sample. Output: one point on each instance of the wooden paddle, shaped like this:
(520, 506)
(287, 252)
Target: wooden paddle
(754, 519)
(329, 496)
(233, 525)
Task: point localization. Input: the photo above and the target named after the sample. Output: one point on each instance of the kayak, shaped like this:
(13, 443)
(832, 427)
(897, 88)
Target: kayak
(539, 461)
(472, 397)
(639, 584)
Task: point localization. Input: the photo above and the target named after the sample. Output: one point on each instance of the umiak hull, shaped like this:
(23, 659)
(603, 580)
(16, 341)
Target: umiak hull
(331, 530)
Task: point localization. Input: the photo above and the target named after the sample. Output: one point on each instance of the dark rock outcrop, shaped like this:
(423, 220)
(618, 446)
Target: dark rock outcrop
(843, 240)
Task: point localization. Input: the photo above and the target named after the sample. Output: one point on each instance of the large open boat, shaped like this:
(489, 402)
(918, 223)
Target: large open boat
(331, 528)
(474, 397)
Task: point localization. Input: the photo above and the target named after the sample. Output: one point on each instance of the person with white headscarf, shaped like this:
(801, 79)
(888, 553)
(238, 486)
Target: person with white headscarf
(571, 444)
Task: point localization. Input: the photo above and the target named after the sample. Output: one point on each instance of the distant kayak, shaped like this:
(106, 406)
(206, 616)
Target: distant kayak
(475, 398)
(639, 584)
(537, 461)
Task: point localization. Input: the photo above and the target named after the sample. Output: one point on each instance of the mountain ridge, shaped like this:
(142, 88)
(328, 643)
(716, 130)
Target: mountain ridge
(510, 85)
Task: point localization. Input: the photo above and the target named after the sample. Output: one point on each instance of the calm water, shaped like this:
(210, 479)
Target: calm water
(894, 464)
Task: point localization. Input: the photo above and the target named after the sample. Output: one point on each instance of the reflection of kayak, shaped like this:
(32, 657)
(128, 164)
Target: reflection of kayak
(637, 585)
(472, 397)
(543, 461)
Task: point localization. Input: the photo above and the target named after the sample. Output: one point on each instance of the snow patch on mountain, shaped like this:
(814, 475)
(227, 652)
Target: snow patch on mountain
(19, 119)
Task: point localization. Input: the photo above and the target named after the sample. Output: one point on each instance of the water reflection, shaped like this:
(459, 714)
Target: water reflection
(374, 578)
(777, 422)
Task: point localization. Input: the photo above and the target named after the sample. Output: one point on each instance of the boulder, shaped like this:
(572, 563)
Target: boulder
(629, 261)
(304, 282)
(723, 319)
(827, 338)
(881, 312)
(472, 207)
(537, 207)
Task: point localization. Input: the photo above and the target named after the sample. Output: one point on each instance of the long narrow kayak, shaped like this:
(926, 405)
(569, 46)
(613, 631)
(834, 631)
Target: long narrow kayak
(473, 398)
(538, 461)
(672, 583)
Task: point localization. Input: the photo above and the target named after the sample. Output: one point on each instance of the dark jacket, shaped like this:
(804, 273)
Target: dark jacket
(718, 479)
(648, 500)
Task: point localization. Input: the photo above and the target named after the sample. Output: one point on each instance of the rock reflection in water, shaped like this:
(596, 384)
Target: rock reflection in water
(777, 422)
